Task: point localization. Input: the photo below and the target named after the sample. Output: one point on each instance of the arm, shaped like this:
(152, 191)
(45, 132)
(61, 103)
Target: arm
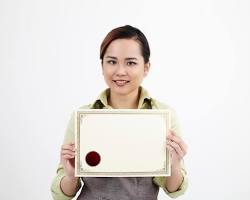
(65, 185)
(177, 183)
(173, 182)
(178, 150)
(161, 182)
(69, 182)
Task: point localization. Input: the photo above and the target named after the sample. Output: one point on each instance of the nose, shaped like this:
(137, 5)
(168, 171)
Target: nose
(121, 70)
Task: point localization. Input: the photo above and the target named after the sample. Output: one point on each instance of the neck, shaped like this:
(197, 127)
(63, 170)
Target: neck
(129, 101)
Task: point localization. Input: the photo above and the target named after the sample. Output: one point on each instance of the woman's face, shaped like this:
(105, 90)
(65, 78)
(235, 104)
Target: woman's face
(123, 66)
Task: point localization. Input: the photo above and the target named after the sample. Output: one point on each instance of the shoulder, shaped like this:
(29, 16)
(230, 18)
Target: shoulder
(70, 130)
(175, 125)
(160, 105)
(72, 117)
(88, 106)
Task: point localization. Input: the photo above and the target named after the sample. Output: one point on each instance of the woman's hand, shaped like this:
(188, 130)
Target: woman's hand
(69, 182)
(68, 159)
(177, 148)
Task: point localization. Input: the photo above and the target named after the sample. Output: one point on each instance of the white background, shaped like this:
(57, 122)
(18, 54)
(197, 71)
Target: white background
(49, 65)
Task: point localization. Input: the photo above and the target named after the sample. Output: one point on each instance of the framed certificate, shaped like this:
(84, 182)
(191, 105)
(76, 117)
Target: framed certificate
(121, 143)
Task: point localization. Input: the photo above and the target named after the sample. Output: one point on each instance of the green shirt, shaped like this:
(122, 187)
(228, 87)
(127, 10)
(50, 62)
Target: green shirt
(145, 102)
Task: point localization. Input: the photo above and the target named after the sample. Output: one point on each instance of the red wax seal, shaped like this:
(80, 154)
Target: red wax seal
(93, 158)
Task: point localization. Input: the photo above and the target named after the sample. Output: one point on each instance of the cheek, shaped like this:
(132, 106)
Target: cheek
(107, 69)
(105, 72)
(138, 74)
(107, 75)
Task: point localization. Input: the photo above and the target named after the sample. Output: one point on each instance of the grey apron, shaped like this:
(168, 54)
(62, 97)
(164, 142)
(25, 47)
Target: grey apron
(118, 188)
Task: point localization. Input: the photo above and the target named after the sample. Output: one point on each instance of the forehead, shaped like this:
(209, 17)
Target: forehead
(124, 48)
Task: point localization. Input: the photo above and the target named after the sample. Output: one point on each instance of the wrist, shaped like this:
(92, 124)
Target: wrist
(175, 169)
(69, 185)
(71, 178)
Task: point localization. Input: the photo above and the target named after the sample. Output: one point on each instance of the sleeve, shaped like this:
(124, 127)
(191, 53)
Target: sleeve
(56, 191)
(160, 181)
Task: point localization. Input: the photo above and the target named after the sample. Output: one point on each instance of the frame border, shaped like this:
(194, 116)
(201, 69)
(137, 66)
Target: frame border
(79, 172)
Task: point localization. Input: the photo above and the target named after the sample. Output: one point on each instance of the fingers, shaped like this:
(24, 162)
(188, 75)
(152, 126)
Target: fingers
(172, 150)
(178, 140)
(67, 154)
(68, 158)
(70, 146)
(68, 151)
(175, 148)
(176, 145)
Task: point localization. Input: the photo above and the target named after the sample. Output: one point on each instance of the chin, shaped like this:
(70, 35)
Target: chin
(122, 91)
(119, 91)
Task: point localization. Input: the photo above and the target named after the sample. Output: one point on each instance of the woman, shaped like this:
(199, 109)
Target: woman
(125, 62)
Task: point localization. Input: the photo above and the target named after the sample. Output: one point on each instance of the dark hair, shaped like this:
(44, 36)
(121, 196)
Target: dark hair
(126, 32)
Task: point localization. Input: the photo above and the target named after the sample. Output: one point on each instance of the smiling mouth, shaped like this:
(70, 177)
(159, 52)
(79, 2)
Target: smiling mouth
(120, 82)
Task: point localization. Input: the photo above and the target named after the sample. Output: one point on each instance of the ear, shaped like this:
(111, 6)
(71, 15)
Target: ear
(146, 68)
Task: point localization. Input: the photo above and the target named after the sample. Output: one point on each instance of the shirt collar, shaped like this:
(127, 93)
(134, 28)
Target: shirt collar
(102, 100)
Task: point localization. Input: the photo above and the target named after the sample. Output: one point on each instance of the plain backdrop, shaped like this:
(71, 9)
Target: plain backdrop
(200, 65)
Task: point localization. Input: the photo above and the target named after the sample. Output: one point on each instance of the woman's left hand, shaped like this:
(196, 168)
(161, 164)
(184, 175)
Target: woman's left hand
(177, 148)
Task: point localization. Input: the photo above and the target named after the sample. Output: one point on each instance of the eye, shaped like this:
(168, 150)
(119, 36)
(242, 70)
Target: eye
(112, 62)
(131, 63)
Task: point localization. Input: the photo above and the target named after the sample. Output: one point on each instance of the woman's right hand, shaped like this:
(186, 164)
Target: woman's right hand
(68, 159)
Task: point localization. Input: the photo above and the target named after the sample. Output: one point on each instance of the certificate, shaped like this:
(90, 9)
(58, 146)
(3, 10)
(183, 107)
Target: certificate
(121, 143)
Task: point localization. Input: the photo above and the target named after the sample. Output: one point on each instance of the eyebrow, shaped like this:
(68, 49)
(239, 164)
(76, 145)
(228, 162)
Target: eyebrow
(129, 58)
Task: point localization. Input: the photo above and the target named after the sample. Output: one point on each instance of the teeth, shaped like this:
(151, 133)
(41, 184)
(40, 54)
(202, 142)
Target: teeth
(121, 82)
